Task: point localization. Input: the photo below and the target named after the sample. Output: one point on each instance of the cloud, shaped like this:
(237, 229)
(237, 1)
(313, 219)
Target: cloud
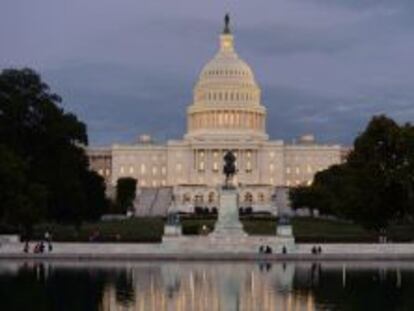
(325, 66)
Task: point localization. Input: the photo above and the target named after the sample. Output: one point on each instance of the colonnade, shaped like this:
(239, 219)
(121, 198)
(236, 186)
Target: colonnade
(212, 159)
(227, 119)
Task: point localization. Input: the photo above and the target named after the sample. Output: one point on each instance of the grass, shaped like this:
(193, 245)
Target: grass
(322, 230)
(130, 230)
(151, 230)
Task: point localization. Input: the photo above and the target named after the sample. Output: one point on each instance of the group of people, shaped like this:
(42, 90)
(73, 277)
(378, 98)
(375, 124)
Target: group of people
(316, 250)
(40, 246)
(265, 249)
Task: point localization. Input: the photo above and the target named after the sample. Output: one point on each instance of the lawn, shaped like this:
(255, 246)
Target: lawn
(151, 229)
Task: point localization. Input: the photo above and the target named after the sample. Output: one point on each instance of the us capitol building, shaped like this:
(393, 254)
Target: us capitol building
(226, 114)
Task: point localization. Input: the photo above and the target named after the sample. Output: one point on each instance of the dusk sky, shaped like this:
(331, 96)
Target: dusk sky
(127, 67)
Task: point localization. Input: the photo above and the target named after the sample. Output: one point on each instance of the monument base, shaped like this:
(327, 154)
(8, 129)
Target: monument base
(172, 230)
(228, 236)
(225, 245)
(228, 223)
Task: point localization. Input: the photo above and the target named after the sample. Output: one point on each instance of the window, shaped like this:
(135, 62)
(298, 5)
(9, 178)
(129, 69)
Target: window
(163, 170)
(261, 197)
(248, 197)
(248, 166)
(215, 167)
(288, 170)
(178, 167)
(201, 166)
(272, 167)
(143, 169)
(122, 170)
(154, 170)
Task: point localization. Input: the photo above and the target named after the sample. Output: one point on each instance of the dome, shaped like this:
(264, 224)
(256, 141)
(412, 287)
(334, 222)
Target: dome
(226, 99)
(227, 67)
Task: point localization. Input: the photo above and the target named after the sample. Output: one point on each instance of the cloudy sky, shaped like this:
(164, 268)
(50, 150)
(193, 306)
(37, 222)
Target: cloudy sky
(128, 66)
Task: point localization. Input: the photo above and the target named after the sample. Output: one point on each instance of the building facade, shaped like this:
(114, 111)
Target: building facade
(226, 114)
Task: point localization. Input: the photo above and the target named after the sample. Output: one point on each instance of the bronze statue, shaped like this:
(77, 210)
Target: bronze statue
(229, 168)
(226, 24)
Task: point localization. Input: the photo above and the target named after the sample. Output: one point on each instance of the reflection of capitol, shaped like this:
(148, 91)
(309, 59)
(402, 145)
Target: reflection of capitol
(211, 287)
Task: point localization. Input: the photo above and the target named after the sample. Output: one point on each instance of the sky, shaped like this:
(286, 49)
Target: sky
(128, 67)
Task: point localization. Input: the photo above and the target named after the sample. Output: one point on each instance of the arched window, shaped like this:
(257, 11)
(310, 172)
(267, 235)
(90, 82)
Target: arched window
(198, 199)
(186, 198)
(211, 197)
(248, 197)
(261, 197)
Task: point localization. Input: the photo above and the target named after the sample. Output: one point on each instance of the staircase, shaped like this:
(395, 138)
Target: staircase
(153, 202)
(162, 202)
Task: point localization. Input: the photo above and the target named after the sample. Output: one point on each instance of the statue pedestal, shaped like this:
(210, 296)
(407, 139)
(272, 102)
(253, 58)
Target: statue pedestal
(228, 223)
(172, 230)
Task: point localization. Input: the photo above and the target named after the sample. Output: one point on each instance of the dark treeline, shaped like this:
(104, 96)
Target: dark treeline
(44, 173)
(375, 186)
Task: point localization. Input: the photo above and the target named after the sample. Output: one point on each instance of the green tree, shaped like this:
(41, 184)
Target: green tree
(125, 194)
(22, 203)
(48, 143)
(375, 187)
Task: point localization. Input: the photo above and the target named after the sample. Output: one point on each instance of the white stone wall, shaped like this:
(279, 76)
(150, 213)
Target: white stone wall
(146, 163)
(302, 162)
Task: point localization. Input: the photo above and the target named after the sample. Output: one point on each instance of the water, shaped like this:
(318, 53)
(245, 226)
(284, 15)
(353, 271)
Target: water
(157, 286)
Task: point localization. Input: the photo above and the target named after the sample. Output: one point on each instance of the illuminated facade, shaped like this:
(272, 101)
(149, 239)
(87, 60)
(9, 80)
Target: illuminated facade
(226, 114)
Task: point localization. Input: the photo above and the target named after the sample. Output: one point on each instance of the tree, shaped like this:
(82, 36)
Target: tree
(125, 194)
(45, 146)
(304, 197)
(21, 203)
(375, 187)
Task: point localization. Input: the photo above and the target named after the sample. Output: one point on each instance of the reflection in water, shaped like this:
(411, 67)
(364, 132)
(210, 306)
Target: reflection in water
(113, 286)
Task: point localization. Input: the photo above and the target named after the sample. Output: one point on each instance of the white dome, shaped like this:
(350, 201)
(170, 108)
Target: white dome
(226, 103)
(227, 68)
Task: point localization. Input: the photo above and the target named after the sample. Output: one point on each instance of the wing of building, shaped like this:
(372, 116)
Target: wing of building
(226, 114)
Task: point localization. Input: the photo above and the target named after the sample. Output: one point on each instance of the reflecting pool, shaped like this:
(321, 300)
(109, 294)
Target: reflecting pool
(107, 286)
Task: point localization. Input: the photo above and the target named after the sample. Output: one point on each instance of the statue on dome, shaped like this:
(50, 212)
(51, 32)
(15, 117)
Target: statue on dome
(226, 24)
(229, 169)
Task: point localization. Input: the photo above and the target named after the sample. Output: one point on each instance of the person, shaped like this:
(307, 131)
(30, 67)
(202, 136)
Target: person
(319, 250)
(36, 249)
(26, 247)
(47, 236)
(261, 249)
(41, 247)
(284, 250)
